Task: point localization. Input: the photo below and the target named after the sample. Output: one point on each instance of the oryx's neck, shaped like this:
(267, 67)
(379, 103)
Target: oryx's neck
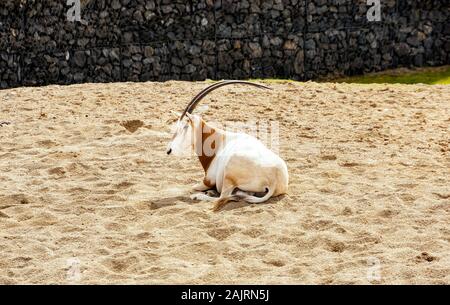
(209, 141)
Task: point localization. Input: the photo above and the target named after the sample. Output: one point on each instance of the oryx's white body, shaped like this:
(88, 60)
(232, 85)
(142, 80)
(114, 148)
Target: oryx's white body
(237, 165)
(249, 166)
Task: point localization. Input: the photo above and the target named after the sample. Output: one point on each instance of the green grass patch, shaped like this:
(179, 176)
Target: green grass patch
(429, 76)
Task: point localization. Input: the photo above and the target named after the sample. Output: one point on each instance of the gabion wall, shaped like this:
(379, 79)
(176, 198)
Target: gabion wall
(141, 40)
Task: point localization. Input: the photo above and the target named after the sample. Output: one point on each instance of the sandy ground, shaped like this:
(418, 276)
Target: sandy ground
(88, 198)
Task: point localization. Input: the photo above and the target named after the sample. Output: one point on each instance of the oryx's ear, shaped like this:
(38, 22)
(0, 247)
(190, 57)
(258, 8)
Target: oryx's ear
(189, 116)
(175, 113)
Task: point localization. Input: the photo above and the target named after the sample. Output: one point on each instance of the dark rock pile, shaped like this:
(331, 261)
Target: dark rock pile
(140, 40)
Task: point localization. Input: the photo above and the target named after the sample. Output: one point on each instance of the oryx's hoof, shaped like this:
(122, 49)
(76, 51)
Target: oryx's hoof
(195, 196)
(212, 193)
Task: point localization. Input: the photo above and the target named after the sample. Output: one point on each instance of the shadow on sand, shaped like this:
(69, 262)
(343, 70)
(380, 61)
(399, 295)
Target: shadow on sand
(160, 203)
(232, 205)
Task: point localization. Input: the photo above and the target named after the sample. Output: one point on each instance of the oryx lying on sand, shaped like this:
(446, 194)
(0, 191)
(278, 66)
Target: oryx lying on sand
(236, 164)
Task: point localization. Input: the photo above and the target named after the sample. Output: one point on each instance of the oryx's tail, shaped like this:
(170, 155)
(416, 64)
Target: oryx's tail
(253, 199)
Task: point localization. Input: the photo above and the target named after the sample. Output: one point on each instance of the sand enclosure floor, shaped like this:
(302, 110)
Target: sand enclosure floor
(85, 198)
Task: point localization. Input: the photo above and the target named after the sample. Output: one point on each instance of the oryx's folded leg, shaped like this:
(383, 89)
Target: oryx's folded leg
(226, 195)
(202, 186)
(202, 197)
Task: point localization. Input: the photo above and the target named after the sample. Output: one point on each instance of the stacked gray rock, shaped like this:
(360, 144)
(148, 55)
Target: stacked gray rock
(141, 40)
(423, 33)
(11, 38)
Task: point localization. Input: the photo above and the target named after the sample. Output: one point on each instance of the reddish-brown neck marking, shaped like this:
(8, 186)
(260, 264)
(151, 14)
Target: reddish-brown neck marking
(206, 132)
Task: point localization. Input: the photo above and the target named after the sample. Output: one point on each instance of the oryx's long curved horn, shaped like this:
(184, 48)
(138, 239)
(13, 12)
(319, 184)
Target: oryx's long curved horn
(197, 96)
(191, 106)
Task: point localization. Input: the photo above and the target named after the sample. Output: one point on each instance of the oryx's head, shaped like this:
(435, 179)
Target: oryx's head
(184, 134)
